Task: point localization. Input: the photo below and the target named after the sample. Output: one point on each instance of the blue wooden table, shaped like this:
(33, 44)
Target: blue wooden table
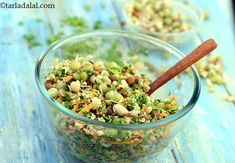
(24, 133)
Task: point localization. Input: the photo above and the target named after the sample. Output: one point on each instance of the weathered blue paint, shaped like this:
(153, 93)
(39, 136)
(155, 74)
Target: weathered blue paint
(25, 135)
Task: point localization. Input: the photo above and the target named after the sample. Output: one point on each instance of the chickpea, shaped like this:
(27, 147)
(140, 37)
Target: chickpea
(120, 109)
(53, 92)
(75, 86)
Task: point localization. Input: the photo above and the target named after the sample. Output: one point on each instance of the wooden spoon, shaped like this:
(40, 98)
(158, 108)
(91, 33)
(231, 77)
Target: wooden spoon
(198, 53)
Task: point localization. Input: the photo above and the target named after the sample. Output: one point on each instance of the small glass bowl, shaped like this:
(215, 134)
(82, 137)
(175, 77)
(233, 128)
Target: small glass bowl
(95, 141)
(193, 14)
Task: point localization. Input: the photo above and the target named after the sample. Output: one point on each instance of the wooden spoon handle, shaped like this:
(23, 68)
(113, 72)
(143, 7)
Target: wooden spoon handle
(202, 50)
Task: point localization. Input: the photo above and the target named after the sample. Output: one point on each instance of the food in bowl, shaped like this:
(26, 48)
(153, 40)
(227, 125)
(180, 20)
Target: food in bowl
(106, 92)
(158, 16)
(172, 21)
(111, 93)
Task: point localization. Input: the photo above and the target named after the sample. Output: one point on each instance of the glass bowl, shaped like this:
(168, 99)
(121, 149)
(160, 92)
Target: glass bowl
(94, 141)
(192, 13)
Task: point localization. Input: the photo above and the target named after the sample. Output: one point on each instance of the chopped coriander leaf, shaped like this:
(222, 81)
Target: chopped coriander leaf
(97, 25)
(31, 40)
(87, 7)
(29, 37)
(103, 6)
(54, 37)
(90, 72)
(20, 23)
(38, 20)
(75, 21)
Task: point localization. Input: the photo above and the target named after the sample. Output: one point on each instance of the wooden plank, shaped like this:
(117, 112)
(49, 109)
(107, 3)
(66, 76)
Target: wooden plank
(54, 18)
(211, 112)
(209, 137)
(170, 154)
(23, 122)
(23, 66)
(223, 32)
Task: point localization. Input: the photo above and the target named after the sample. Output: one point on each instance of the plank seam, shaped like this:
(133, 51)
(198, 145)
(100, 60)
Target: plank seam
(179, 154)
(119, 16)
(174, 155)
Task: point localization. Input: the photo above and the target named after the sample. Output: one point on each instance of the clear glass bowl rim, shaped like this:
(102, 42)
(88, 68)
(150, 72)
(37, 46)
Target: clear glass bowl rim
(120, 33)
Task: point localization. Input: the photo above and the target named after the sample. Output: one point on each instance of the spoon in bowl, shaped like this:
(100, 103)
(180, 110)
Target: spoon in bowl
(198, 53)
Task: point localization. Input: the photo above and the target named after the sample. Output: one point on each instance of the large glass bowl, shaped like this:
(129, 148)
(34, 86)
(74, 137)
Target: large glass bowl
(94, 141)
(192, 13)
